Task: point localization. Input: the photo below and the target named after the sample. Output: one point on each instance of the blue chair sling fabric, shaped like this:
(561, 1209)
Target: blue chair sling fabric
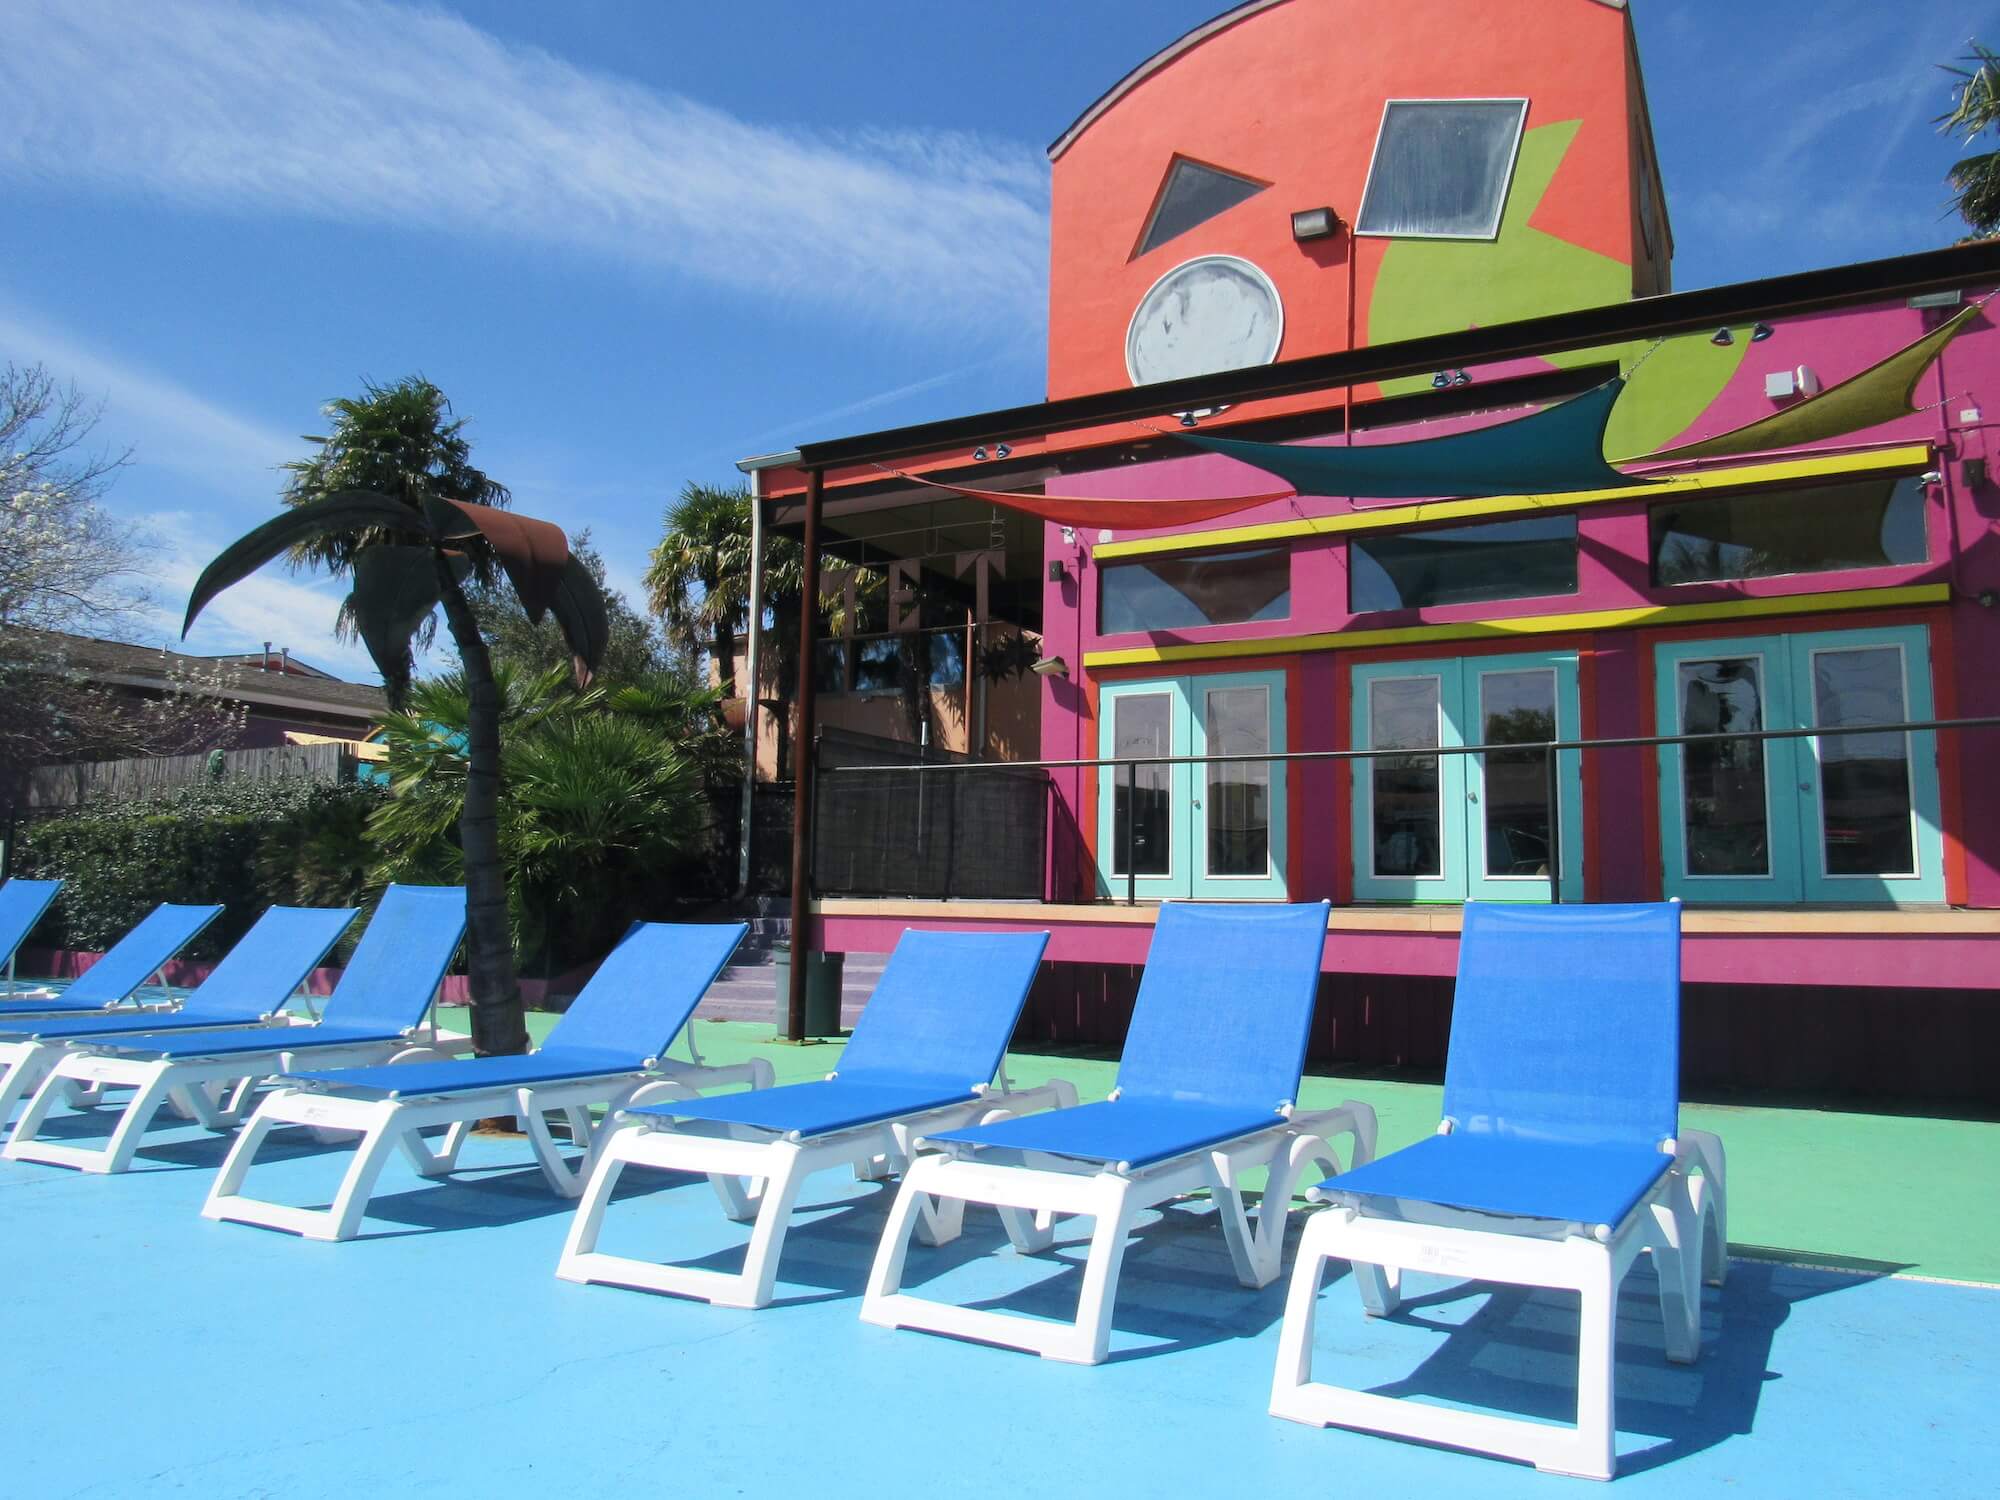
(127, 964)
(1216, 1045)
(254, 979)
(383, 992)
(1563, 1077)
(629, 1013)
(934, 1030)
(22, 903)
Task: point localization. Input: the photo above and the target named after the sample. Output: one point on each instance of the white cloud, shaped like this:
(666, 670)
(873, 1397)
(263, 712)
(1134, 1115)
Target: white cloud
(364, 112)
(169, 425)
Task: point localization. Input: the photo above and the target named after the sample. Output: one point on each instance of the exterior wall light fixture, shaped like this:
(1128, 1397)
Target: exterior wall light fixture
(1050, 666)
(1315, 224)
(1722, 336)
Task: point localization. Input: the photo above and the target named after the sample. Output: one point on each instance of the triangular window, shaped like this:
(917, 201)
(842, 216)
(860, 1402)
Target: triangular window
(1193, 194)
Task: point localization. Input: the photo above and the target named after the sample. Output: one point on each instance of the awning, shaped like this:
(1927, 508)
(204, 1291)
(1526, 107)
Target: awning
(1117, 515)
(1881, 393)
(1554, 451)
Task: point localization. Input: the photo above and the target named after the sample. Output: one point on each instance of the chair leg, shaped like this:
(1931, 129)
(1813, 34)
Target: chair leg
(785, 1168)
(439, 1160)
(1104, 1198)
(149, 1094)
(380, 1129)
(1596, 1394)
(1676, 1240)
(1590, 1269)
(564, 1178)
(20, 1077)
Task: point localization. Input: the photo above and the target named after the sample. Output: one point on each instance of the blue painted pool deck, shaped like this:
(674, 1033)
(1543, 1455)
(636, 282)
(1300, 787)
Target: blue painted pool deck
(154, 1352)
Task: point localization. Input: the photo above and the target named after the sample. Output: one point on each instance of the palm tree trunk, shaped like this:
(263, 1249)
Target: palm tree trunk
(499, 1024)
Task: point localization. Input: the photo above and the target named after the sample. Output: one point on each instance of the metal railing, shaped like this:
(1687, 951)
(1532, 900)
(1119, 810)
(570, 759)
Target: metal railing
(1550, 750)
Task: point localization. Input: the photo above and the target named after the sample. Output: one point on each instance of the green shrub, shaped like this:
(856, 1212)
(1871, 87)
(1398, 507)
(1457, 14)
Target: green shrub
(245, 843)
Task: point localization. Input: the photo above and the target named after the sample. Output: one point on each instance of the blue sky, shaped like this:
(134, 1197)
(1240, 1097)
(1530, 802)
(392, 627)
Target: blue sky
(637, 241)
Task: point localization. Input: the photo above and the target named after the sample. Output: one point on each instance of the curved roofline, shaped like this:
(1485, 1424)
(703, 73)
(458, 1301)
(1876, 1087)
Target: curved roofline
(1167, 54)
(1152, 65)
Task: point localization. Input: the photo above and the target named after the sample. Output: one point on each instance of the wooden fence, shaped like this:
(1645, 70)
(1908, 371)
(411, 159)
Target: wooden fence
(52, 787)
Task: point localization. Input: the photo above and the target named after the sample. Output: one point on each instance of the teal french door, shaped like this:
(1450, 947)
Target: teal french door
(1843, 818)
(1210, 831)
(1433, 827)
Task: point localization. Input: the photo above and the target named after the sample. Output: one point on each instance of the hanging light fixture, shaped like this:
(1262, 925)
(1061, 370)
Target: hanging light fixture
(1760, 332)
(1722, 336)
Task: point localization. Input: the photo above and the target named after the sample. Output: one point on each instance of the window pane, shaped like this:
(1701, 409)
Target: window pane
(1864, 778)
(1403, 714)
(878, 665)
(1238, 802)
(947, 658)
(1722, 781)
(1441, 167)
(1877, 524)
(1194, 195)
(830, 666)
(1463, 564)
(1517, 708)
(1175, 593)
(1141, 724)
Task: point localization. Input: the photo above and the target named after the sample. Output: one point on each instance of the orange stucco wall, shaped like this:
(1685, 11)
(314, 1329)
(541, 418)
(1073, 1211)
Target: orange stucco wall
(1322, 71)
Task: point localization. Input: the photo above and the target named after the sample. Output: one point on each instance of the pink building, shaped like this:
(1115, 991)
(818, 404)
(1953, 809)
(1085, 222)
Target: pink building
(1333, 228)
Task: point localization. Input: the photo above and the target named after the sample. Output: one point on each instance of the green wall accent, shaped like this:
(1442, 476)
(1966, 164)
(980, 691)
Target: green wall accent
(1437, 286)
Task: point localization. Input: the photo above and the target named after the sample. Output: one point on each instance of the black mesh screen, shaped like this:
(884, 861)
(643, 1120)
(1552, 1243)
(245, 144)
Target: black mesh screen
(934, 834)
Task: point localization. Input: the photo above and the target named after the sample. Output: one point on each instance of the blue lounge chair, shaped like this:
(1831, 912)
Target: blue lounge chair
(372, 1016)
(923, 1055)
(1559, 1159)
(249, 987)
(22, 903)
(1205, 1092)
(608, 1049)
(130, 962)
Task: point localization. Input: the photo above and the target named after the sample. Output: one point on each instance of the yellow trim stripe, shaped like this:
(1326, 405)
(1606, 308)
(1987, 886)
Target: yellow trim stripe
(1481, 630)
(1754, 476)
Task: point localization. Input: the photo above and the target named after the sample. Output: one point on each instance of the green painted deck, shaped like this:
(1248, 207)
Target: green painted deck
(1895, 1193)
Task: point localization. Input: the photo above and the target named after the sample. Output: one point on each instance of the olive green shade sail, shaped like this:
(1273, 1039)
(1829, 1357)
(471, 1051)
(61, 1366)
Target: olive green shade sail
(1881, 393)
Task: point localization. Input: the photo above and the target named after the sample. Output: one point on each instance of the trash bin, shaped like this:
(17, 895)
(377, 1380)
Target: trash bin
(823, 975)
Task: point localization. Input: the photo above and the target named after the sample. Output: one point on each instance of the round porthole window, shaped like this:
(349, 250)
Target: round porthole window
(1216, 312)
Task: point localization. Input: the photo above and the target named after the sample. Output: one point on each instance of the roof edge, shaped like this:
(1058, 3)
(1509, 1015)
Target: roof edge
(1185, 43)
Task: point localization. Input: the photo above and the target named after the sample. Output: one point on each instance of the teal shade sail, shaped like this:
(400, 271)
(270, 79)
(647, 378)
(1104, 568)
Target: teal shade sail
(1557, 450)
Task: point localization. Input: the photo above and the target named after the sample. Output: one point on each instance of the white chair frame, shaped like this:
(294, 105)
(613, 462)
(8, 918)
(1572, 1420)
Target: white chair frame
(1680, 1220)
(213, 1091)
(26, 1062)
(385, 1125)
(1032, 1194)
(757, 1174)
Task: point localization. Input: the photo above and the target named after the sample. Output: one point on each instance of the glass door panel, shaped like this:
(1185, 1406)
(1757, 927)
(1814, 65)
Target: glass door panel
(1852, 818)
(1239, 809)
(1448, 827)
(1142, 803)
(1527, 701)
(1868, 802)
(1212, 831)
(1727, 835)
(1405, 806)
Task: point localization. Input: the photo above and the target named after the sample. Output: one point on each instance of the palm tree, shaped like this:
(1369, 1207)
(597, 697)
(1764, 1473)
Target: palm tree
(392, 502)
(605, 798)
(1975, 181)
(698, 581)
